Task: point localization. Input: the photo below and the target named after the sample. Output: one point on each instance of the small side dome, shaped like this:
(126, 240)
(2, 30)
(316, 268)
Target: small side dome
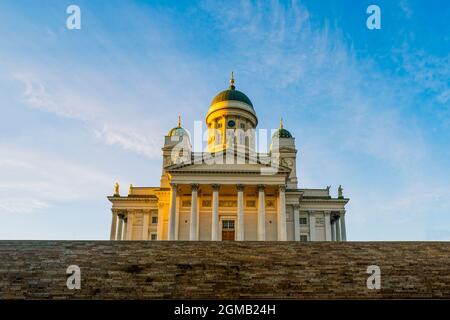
(178, 131)
(281, 132)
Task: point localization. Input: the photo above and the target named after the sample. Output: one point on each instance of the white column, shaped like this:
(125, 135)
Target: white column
(312, 226)
(120, 228)
(343, 231)
(172, 211)
(337, 230)
(282, 235)
(333, 232)
(160, 226)
(296, 222)
(240, 213)
(215, 213)
(125, 228)
(146, 220)
(130, 218)
(194, 214)
(261, 214)
(112, 235)
(199, 201)
(177, 217)
(327, 226)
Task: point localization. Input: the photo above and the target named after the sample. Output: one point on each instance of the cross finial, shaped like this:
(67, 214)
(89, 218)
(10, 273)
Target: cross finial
(232, 81)
(281, 123)
(179, 121)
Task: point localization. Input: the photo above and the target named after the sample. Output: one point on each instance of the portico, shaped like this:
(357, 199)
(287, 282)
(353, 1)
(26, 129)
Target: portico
(206, 207)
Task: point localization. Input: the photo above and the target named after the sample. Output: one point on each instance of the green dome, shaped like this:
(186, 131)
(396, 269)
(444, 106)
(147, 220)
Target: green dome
(281, 133)
(232, 94)
(177, 131)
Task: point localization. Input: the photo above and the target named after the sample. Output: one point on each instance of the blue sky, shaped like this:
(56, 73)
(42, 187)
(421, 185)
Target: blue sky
(81, 109)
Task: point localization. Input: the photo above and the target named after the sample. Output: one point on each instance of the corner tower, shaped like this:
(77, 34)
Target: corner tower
(177, 148)
(283, 151)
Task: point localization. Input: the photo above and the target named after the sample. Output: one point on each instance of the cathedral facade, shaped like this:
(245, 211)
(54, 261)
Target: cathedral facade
(230, 191)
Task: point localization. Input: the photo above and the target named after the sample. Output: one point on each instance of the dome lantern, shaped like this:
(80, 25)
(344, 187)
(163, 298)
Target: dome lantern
(230, 109)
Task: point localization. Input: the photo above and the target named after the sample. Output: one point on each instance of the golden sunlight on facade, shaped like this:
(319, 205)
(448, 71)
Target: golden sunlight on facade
(230, 192)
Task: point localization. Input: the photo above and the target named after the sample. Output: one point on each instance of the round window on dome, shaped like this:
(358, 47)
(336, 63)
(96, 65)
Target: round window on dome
(231, 123)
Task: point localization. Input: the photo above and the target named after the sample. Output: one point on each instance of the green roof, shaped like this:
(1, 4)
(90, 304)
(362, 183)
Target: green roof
(232, 94)
(177, 131)
(282, 133)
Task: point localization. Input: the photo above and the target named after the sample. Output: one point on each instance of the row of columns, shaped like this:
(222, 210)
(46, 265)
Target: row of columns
(338, 231)
(335, 230)
(122, 226)
(119, 226)
(334, 226)
(240, 224)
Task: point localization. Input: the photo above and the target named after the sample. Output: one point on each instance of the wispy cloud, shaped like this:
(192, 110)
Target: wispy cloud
(146, 144)
(21, 205)
(33, 180)
(355, 102)
(406, 8)
(125, 134)
(60, 101)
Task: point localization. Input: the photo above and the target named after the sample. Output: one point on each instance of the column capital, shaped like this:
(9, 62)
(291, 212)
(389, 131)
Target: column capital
(296, 206)
(194, 186)
(282, 187)
(240, 187)
(261, 187)
(215, 187)
(334, 215)
(173, 185)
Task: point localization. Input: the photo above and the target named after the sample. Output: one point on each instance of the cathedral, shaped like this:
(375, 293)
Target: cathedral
(229, 191)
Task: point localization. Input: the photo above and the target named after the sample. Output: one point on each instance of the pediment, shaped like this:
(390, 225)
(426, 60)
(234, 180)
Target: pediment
(237, 167)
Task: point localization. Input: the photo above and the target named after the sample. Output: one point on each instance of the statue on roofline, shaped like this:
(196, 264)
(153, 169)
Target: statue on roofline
(340, 192)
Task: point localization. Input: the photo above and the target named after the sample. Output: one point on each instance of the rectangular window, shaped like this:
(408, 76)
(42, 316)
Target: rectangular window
(303, 220)
(303, 238)
(242, 125)
(228, 224)
(153, 236)
(154, 220)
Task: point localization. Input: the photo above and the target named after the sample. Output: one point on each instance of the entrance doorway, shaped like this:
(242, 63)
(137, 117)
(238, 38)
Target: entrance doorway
(228, 230)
